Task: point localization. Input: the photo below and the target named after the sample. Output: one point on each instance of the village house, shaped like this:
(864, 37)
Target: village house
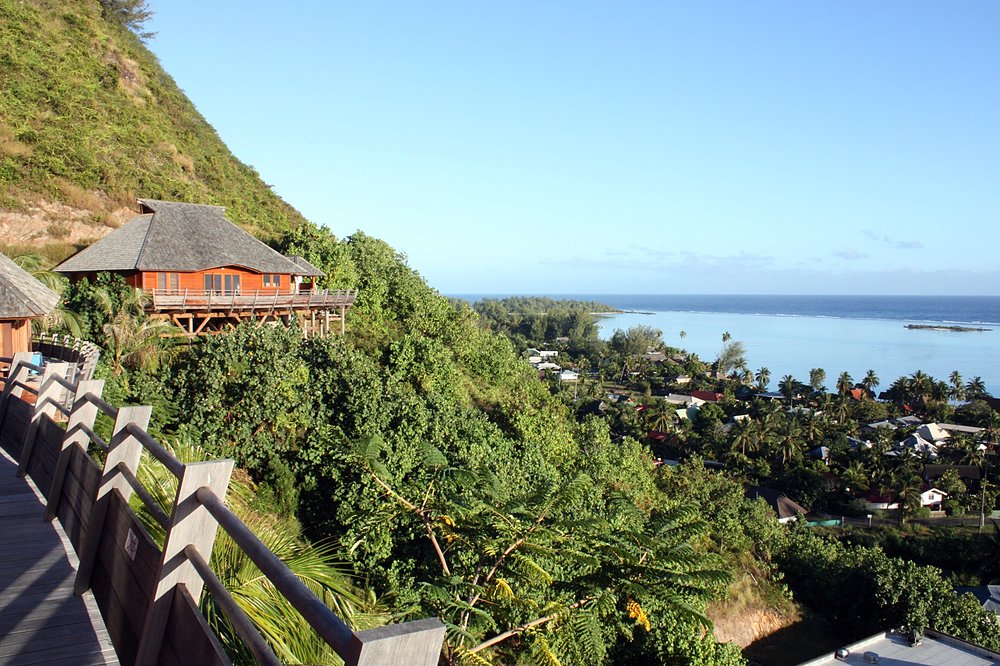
(22, 299)
(786, 509)
(206, 274)
(930, 497)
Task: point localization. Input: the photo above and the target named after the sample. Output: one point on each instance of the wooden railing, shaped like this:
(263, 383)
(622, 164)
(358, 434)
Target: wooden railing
(148, 594)
(84, 355)
(186, 300)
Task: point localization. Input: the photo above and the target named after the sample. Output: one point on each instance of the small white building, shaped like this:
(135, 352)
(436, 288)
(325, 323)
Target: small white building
(569, 376)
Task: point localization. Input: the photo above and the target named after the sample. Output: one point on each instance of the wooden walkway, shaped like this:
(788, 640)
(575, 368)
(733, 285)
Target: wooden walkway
(41, 622)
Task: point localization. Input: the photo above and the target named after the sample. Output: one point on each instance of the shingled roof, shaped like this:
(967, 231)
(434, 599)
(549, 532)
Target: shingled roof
(171, 236)
(21, 295)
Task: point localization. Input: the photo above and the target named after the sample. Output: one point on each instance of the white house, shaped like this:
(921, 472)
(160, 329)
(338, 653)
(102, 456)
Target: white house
(932, 497)
(569, 376)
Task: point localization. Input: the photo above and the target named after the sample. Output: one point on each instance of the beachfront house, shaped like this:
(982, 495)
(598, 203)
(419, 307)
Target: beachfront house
(206, 274)
(22, 299)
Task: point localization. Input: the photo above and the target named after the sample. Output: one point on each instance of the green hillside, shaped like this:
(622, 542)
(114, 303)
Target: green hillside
(89, 118)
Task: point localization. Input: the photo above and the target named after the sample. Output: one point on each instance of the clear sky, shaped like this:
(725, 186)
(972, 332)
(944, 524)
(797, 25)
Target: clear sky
(635, 147)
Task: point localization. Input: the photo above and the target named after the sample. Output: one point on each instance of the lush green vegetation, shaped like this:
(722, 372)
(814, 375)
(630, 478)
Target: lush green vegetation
(423, 452)
(88, 117)
(429, 456)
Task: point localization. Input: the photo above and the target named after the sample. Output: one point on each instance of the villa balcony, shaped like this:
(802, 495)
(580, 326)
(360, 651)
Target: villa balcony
(191, 300)
(197, 312)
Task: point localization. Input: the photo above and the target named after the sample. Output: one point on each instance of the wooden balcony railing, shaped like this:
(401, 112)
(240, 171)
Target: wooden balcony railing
(148, 594)
(189, 300)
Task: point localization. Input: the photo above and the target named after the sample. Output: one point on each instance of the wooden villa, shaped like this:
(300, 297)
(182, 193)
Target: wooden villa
(22, 298)
(206, 274)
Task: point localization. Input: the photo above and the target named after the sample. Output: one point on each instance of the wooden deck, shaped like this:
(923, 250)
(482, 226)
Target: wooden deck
(41, 622)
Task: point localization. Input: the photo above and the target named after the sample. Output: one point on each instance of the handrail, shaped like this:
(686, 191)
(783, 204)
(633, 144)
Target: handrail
(261, 651)
(93, 436)
(175, 466)
(101, 405)
(330, 627)
(151, 504)
(66, 411)
(62, 381)
(33, 390)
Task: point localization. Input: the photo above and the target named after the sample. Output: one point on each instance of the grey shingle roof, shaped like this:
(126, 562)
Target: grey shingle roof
(307, 269)
(21, 295)
(173, 236)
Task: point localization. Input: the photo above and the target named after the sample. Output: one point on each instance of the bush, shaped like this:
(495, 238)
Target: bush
(954, 508)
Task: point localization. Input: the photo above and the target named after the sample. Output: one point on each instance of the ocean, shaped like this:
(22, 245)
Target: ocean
(792, 334)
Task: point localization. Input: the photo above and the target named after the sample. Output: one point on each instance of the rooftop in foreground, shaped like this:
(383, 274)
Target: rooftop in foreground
(933, 650)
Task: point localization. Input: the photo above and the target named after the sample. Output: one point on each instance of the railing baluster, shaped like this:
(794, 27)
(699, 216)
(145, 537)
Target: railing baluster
(190, 524)
(81, 420)
(123, 448)
(45, 404)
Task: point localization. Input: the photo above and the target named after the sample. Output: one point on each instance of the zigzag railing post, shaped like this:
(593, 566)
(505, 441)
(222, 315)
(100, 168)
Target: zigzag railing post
(123, 449)
(190, 525)
(17, 374)
(45, 404)
(83, 415)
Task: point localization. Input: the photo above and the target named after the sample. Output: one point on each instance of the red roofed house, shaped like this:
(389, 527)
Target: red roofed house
(205, 274)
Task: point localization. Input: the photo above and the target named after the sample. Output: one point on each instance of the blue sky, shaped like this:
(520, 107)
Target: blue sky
(595, 147)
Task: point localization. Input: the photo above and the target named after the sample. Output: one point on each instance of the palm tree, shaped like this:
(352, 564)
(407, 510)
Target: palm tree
(660, 416)
(133, 341)
(726, 337)
(976, 388)
(855, 476)
(907, 484)
(763, 377)
(844, 383)
(788, 386)
(816, 378)
(920, 387)
(870, 382)
(748, 436)
(788, 440)
(813, 427)
(843, 409)
(957, 386)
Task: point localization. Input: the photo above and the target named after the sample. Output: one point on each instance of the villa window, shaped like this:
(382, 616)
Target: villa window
(166, 281)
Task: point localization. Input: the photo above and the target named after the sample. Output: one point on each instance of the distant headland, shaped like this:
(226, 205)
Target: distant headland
(939, 327)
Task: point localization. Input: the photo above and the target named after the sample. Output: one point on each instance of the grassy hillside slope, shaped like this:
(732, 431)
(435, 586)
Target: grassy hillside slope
(89, 120)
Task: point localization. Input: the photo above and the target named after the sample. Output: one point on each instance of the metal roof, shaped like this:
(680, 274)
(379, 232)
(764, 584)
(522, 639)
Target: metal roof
(21, 295)
(934, 650)
(171, 236)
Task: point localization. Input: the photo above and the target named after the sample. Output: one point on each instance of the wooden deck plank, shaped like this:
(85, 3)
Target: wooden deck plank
(41, 621)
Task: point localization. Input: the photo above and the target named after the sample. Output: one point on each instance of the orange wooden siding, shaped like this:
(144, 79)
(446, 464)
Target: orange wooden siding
(15, 336)
(250, 281)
